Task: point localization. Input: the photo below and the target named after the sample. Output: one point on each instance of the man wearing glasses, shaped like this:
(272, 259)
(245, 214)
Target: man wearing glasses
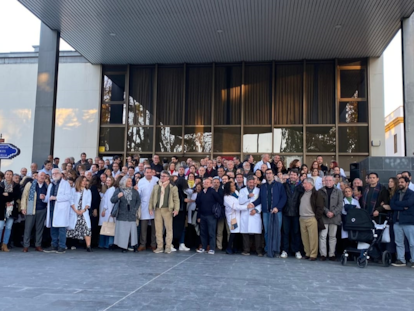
(58, 199)
(164, 204)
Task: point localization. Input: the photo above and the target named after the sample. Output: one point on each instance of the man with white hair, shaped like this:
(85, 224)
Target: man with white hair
(265, 160)
(58, 199)
(357, 183)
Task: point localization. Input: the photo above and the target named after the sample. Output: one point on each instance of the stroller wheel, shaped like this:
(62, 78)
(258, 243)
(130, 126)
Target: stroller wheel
(344, 260)
(386, 259)
(362, 262)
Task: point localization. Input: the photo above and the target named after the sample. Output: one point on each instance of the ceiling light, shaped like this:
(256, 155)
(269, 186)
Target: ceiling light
(220, 30)
(112, 34)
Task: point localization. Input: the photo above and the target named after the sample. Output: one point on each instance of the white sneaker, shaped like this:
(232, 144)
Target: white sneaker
(173, 249)
(130, 249)
(283, 255)
(183, 248)
(201, 250)
(73, 248)
(211, 252)
(298, 255)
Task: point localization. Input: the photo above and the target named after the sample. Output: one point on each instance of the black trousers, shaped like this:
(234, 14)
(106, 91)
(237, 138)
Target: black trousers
(208, 226)
(257, 243)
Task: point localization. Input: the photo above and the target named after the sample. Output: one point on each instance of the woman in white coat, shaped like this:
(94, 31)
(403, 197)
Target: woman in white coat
(105, 210)
(317, 179)
(79, 220)
(348, 203)
(251, 221)
(233, 209)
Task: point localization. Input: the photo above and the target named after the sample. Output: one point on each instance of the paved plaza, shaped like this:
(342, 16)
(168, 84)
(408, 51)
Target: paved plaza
(105, 280)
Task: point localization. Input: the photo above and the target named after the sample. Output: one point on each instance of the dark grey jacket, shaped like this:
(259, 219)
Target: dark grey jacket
(125, 213)
(335, 206)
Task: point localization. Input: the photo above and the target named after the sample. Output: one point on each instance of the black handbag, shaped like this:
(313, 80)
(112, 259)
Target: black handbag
(115, 209)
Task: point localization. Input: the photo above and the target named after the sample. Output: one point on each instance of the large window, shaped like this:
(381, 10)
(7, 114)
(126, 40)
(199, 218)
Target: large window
(297, 109)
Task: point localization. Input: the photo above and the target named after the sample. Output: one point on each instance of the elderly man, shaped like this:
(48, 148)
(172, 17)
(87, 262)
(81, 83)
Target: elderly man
(165, 203)
(23, 172)
(33, 168)
(59, 199)
(250, 219)
(357, 183)
(332, 201)
(145, 187)
(230, 167)
(310, 211)
(265, 160)
(34, 208)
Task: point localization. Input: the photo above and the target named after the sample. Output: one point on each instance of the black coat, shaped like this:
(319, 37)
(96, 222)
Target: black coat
(13, 196)
(292, 203)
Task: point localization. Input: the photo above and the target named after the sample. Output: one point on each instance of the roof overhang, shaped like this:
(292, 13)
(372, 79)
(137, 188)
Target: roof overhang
(200, 31)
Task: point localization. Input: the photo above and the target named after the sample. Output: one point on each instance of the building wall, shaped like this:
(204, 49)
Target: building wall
(394, 125)
(77, 113)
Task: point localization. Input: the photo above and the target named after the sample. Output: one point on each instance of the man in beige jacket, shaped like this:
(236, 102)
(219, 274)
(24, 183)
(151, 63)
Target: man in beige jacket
(165, 203)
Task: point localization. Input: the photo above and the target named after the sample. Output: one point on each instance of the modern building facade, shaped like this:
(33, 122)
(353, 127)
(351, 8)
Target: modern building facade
(197, 78)
(394, 133)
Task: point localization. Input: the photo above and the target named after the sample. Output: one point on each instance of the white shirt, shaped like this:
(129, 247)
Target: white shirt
(259, 164)
(114, 174)
(411, 186)
(145, 187)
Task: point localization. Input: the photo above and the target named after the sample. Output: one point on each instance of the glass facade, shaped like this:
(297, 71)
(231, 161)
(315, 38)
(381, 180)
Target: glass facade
(298, 109)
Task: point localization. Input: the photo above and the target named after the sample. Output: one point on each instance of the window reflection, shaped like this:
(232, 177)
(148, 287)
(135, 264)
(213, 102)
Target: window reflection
(257, 139)
(140, 100)
(114, 87)
(197, 139)
(112, 138)
(320, 139)
(139, 139)
(169, 139)
(288, 140)
(353, 139)
(353, 112)
(352, 83)
(227, 139)
(112, 114)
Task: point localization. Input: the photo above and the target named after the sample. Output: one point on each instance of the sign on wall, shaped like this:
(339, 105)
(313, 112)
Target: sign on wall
(8, 151)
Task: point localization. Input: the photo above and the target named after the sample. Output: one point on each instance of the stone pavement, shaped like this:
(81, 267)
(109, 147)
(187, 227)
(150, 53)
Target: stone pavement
(105, 280)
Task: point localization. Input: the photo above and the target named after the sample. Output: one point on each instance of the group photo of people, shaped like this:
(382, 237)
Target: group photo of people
(237, 206)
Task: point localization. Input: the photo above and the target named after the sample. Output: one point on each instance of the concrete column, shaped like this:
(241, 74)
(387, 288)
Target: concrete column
(376, 105)
(45, 110)
(408, 82)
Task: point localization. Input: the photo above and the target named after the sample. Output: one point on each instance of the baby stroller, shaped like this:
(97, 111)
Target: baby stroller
(369, 235)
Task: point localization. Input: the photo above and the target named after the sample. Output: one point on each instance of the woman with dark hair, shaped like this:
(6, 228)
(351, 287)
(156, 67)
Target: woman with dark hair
(314, 165)
(80, 222)
(191, 180)
(304, 169)
(295, 164)
(95, 187)
(179, 221)
(259, 175)
(9, 194)
(280, 167)
(233, 208)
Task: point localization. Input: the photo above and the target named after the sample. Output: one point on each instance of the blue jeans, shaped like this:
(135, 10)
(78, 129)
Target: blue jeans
(9, 224)
(105, 241)
(400, 231)
(266, 224)
(291, 229)
(58, 234)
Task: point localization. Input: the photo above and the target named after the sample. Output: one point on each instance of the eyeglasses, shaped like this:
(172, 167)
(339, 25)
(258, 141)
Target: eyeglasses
(164, 176)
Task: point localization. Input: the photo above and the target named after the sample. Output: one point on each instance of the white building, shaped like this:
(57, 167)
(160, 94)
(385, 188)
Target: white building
(394, 133)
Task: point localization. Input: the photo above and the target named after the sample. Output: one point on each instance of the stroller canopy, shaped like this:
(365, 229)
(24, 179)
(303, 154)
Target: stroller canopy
(358, 220)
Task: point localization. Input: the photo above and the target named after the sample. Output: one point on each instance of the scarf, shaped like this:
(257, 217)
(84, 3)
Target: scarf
(30, 201)
(127, 194)
(162, 189)
(234, 194)
(191, 183)
(370, 206)
(8, 187)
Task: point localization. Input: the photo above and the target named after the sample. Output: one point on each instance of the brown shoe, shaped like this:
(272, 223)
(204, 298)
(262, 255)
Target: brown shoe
(4, 248)
(39, 249)
(25, 249)
(333, 258)
(141, 248)
(323, 258)
(312, 259)
(153, 248)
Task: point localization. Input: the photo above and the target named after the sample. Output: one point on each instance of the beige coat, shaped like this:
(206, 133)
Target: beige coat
(25, 197)
(173, 200)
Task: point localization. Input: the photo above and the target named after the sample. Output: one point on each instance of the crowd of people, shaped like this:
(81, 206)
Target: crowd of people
(264, 208)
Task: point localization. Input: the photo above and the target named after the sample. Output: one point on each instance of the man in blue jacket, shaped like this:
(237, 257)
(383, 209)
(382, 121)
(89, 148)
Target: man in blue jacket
(273, 199)
(402, 203)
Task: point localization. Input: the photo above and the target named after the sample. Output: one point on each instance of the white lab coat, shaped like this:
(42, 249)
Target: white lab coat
(62, 206)
(191, 207)
(106, 205)
(249, 223)
(344, 234)
(233, 210)
(318, 182)
(86, 201)
(145, 189)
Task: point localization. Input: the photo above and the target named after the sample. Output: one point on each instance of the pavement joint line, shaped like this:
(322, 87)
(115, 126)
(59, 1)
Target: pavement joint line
(153, 279)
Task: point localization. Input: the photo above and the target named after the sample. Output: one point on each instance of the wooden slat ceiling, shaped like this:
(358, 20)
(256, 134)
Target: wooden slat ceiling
(178, 31)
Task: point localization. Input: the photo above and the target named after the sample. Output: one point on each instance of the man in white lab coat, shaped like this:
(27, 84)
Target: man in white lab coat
(250, 220)
(145, 186)
(58, 199)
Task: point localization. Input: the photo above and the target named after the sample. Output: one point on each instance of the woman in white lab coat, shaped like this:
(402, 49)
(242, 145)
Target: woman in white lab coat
(233, 209)
(317, 179)
(79, 220)
(251, 221)
(105, 210)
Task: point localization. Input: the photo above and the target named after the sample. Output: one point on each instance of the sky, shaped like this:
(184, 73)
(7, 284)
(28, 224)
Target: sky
(20, 30)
